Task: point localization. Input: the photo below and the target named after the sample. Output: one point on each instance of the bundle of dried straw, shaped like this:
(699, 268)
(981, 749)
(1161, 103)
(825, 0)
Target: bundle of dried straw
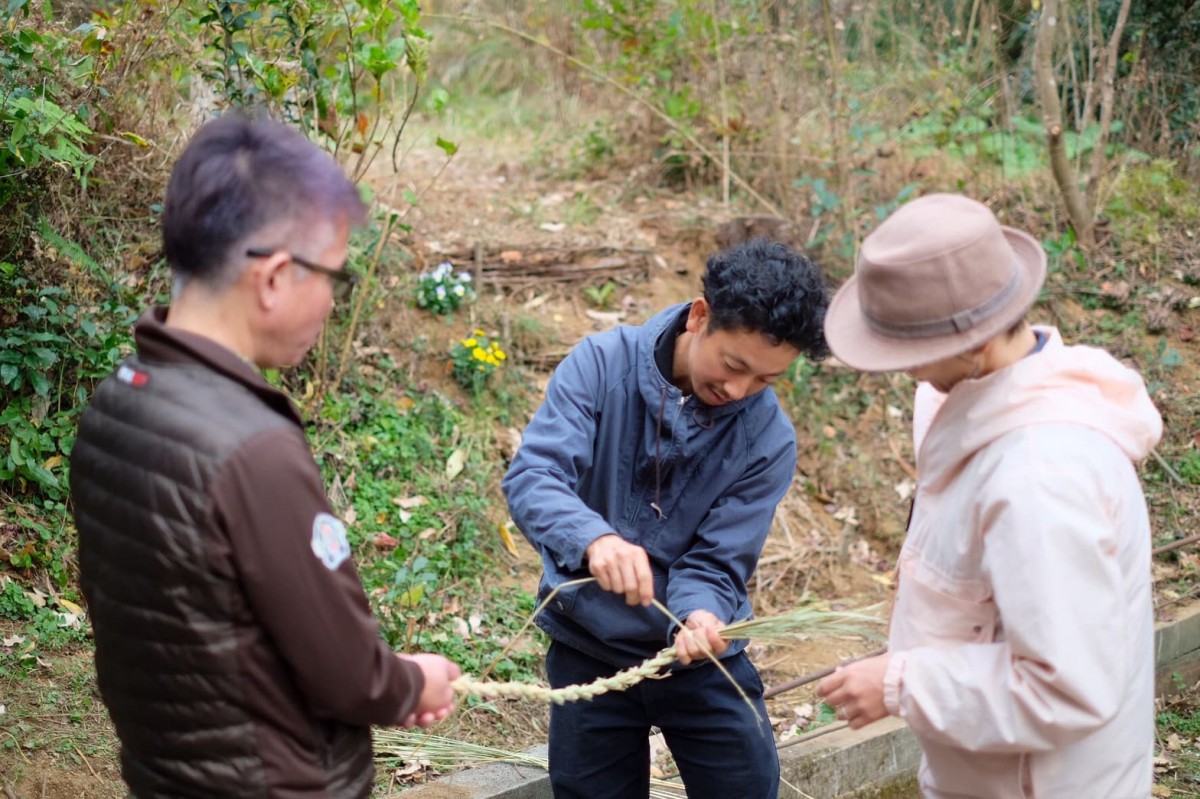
(397, 748)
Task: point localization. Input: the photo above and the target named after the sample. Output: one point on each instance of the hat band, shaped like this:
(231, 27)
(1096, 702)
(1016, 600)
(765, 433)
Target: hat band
(959, 322)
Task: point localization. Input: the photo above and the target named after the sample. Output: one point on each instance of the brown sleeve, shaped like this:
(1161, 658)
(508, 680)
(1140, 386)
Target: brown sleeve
(307, 595)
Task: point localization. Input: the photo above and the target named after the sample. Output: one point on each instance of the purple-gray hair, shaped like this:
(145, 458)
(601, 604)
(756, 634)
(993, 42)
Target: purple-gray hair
(238, 176)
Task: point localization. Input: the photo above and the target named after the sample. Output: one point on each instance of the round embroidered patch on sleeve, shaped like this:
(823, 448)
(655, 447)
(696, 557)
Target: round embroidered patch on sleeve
(329, 542)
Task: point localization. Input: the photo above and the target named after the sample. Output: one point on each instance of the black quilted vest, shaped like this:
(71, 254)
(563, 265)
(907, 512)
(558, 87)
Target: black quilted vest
(166, 624)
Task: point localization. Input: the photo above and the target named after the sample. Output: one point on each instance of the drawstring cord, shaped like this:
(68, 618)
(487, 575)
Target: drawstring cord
(662, 409)
(706, 423)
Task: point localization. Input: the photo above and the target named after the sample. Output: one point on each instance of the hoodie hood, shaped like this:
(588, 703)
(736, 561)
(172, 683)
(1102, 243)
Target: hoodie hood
(1061, 384)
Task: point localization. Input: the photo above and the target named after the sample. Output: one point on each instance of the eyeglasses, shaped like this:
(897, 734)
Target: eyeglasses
(343, 281)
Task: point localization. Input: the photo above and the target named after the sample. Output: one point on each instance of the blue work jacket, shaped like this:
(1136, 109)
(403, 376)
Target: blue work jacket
(617, 448)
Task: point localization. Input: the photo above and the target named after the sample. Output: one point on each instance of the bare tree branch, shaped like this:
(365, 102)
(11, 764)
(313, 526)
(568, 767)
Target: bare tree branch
(1047, 92)
(1108, 70)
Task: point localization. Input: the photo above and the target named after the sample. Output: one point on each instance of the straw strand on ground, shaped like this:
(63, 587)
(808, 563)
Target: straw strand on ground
(395, 748)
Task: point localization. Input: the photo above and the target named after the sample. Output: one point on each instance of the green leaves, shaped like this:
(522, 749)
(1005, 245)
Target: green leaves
(379, 59)
(49, 357)
(324, 65)
(40, 130)
(415, 483)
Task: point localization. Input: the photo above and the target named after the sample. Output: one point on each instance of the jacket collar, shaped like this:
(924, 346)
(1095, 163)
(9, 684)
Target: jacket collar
(158, 343)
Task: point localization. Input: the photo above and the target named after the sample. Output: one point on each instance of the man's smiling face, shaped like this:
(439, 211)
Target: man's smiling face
(722, 366)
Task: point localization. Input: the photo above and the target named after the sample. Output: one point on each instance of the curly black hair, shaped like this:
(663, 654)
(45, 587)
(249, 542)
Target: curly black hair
(766, 287)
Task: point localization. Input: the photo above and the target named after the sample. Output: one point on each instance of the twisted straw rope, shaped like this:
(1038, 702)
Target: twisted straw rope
(472, 686)
(623, 680)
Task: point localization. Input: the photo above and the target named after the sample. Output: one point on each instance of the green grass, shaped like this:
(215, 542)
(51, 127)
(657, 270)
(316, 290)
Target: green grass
(54, 707)
(417, 478)
(1177, 753)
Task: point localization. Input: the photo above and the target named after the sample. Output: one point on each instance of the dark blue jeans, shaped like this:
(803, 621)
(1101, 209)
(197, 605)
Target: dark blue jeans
(599, 748)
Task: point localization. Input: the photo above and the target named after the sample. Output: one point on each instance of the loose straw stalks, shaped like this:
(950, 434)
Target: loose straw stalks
(396, 747)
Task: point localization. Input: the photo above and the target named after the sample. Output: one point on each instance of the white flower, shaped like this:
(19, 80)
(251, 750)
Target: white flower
(465, 277)
(441, 292)
(459, 291)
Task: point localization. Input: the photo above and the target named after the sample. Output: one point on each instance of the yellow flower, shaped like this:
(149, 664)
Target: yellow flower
(479, 333)
(493, 361)
(478, 354)
(481, 368)
(500, 354)
(470, 342)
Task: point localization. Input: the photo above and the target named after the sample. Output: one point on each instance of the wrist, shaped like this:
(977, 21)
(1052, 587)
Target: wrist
(599, 539)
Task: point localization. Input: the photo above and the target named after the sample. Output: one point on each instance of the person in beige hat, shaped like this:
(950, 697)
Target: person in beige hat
(1020, 650)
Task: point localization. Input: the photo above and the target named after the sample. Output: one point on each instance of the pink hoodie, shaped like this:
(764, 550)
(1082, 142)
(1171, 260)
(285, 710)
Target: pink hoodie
(1022, 637)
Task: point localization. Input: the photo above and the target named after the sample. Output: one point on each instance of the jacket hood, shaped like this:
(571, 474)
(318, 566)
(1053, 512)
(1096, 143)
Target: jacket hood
(1060, 384)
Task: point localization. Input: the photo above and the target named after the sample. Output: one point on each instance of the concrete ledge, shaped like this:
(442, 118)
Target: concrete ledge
(879, 762)
(845, 764)
(1177, 651)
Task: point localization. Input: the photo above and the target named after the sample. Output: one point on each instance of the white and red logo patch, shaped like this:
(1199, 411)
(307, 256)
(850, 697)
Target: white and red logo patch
(127, 374)
(329, 542)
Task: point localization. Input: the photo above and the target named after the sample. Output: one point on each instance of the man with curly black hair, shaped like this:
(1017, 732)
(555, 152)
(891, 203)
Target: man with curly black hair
(655, 465)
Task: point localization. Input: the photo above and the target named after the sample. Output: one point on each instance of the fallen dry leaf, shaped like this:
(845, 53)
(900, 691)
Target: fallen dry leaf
(507, 537)
(385, 541)
(455, 463)
(461, 627)
(412, 768)
(1115, 292)
(607, 317)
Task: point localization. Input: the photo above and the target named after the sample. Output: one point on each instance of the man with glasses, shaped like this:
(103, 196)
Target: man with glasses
(235, 648)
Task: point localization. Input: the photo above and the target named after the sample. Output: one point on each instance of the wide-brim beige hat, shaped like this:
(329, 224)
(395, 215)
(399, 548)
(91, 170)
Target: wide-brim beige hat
(940, 277)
